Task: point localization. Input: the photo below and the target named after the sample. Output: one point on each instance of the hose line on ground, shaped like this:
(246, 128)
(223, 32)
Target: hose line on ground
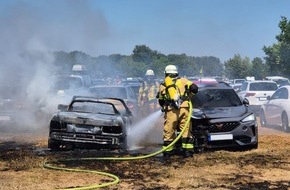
(50, 164)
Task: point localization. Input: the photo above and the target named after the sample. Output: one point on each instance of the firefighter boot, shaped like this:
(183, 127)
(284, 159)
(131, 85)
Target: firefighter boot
(168, 154)
(187, 153)
(169, 151)
(187, 145)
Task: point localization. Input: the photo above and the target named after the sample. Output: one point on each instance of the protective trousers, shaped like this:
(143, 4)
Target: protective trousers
(173, 119)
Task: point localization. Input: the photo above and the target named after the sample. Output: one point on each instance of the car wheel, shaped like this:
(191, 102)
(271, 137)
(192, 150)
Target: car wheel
(263, 120)
(54, 146)
(285, 123)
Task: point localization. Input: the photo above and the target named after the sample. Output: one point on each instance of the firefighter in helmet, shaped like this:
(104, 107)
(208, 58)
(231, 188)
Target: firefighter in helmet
(147, 101)
(173, 96)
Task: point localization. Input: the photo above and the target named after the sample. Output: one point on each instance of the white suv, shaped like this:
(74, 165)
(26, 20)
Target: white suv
(257, 92)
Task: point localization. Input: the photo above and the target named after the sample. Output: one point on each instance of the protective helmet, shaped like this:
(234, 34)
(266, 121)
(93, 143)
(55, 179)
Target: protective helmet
(149, 72)
(171, 69)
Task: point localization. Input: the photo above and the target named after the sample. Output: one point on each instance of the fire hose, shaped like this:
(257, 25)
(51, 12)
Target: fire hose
(51, 164)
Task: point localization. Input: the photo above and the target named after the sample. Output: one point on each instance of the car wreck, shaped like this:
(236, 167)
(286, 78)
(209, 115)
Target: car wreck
(90, 122)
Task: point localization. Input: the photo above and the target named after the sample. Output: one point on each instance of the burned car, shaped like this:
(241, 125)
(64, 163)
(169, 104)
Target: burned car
(221, 120)
(90, 122)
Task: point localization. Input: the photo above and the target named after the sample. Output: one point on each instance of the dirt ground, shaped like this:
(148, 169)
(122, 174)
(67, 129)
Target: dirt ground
(23, 154)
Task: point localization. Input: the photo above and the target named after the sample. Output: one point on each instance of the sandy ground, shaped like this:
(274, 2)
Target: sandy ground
(23, 154)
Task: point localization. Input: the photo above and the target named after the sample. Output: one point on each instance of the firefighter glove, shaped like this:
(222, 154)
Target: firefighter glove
(193, 88)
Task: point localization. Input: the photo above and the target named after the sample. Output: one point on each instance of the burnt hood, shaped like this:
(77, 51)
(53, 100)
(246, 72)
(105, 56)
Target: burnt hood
(90, 119)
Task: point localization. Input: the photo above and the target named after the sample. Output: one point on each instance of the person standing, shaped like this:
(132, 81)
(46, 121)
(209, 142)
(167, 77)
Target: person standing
(173, 96)
(147, 101)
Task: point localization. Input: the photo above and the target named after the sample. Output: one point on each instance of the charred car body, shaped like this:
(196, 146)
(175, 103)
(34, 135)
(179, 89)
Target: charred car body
(221, 120)
(90, 122)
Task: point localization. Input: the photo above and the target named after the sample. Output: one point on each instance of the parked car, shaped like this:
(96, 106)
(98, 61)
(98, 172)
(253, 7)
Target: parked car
(281, 81)
(236, 84)
(124, 92)
(276, 110)
(134, 84)
(15, 110)
(238, 81)
(90, 122)
(10, 106)
(257, 92)
(221, 120)
(64, 87)
(204, 81)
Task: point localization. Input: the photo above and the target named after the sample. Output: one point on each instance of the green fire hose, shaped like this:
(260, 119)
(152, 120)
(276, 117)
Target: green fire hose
(50, 164)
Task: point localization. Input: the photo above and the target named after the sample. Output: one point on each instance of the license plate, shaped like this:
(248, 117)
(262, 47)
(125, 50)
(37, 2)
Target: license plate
(4, 118)
(220, 137)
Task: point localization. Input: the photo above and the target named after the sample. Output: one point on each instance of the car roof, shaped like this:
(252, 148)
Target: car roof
(285, 86)
(261, 81)
(110, 86)
(219, 85)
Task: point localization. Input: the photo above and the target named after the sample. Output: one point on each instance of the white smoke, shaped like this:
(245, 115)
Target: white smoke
(26, 52)
(146, 132)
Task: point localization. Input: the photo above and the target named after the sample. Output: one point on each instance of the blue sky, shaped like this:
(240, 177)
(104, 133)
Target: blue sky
(220, 28)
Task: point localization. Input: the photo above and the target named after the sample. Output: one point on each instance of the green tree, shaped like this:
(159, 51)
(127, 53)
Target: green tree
(211, 66)
(278, 55)
(237, 67)
(257, 69)
(142, 53)
(131, 68)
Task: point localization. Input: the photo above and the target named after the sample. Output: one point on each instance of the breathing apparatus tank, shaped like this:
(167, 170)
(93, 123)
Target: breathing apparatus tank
(172, 91)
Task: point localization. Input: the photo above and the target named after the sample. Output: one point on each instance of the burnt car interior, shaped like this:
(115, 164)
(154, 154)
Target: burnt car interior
(93, 107)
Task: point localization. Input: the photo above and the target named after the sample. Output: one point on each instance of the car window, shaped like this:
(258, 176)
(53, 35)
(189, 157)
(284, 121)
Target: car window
(284, 94)
(280, 94)
(239, 81)
(216, 98)
(112, 92)
(64, 83)
(263, 86)
(92, 107)
(244, 86)
(131, 93)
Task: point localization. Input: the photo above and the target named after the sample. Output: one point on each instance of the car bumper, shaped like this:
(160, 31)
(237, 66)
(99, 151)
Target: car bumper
(228, 134)
(79, 138)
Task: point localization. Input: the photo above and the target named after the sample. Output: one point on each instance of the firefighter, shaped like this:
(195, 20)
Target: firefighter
(147, 101)
(173, 96)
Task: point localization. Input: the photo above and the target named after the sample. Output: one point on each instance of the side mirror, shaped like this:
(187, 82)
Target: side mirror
(246, 102)
(62, 107)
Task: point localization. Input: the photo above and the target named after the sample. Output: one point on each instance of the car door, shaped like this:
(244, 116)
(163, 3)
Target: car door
(282, 105)
(243, 90)
(273, 107)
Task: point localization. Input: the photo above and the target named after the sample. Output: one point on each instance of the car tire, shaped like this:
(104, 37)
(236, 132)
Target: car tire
(285, 122)
(54, 146)
(263, 120)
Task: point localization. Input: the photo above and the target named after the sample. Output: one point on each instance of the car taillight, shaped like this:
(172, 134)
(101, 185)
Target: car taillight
(250, 94)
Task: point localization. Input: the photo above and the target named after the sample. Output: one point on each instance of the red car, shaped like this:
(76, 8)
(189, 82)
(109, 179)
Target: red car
(205, 82)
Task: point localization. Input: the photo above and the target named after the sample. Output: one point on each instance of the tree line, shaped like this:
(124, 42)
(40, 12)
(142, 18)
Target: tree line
(275, 62)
